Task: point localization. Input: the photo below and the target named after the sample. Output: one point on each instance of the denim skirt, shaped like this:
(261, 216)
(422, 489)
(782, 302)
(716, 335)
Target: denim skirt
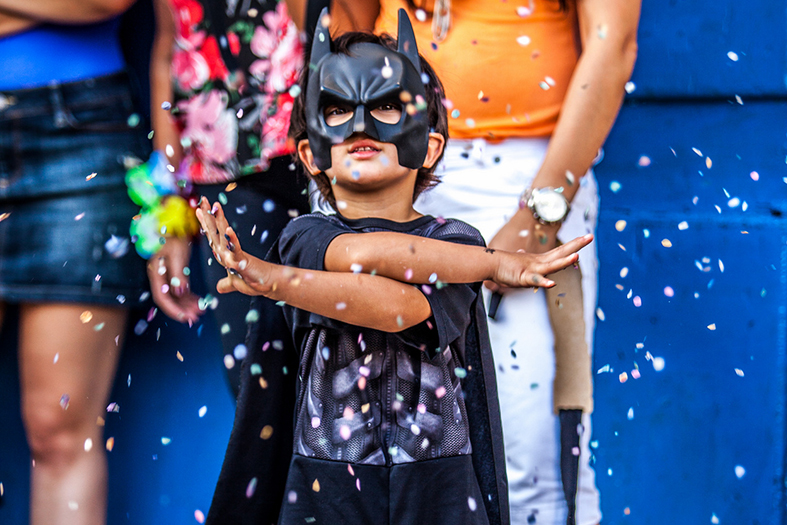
(64, 209)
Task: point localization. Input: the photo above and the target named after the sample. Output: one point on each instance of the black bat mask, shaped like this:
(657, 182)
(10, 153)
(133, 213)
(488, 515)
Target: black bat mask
(369, 76)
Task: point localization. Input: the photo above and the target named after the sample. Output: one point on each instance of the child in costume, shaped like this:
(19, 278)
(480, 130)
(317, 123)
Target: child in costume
(396, 414)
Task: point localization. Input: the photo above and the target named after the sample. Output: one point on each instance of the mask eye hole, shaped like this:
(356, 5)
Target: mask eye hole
(336, 114)
(387, 113)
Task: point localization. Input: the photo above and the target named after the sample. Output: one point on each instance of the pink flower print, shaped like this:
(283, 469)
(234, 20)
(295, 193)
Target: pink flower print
(210, 127)
(188, 14)
(274, 132)
(190, 70)
(279, 46)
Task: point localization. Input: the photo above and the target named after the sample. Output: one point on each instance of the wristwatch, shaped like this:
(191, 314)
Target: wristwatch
(548, 205)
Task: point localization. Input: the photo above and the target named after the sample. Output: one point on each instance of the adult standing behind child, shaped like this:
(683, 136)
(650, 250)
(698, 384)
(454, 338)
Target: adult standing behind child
(66, 124)
(221, 79)
(533, 88)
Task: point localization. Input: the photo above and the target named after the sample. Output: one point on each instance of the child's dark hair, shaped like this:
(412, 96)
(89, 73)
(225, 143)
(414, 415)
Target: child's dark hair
(436, 111)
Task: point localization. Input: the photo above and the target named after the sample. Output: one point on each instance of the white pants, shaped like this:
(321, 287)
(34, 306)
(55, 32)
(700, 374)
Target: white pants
(481, 185)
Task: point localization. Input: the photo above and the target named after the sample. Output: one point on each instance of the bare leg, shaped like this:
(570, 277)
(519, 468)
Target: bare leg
(67, 364)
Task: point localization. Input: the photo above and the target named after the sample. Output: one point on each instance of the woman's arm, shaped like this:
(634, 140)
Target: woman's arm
(167, 266)
(66, 11)
(364, 300)
(608, 31)
(353, 15)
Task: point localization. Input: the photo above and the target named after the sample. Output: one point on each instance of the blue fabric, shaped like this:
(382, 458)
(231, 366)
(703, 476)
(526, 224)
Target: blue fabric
(53, 240)
(59, 53)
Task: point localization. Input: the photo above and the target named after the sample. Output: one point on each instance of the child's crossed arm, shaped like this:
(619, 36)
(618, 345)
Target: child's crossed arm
(420, 260)
(369, 301)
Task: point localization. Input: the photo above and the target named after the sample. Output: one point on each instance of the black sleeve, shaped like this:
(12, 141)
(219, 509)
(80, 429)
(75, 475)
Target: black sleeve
(304, 241)
(452, 304)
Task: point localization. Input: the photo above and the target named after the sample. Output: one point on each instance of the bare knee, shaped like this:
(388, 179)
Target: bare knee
(55, 437)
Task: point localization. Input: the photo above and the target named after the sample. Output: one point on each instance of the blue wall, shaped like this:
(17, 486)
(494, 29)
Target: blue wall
(702, 437)
(702, 440)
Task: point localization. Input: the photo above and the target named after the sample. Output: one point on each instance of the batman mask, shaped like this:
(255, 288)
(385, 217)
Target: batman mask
(371, 75)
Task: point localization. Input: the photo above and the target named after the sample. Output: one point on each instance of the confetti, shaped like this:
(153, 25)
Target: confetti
(316, 486)
(668, 291)
(620, 225)
(630, 414)
(420, 15)
(86, 316)
(712, 327)
(635, 373)
(624, 272)
(110, 444)
(739, 372)
(166, 106)
(88, 445)
(202, 411)
(199, 516)
(740, 471)
(387, 70)
(251, 487)
(683, 225)
(64, 399)
(714, 519)
(708, 162)
(523, 40)
(165, 441)
(439, 392)
(344, 432)
(73, 505)
(292, 496)
(637, 301)
(4, 216)
(623, 377)
(658, 364)
(240, 352)
(615, 186)
(644, 161)
(732, 55)
(754, 176)
(630, 87)
(266, 432)
(471, 504)
(600, 314)
(179, 356)
(57, 357)
(229, 361)
(666, 243)
(91, 176)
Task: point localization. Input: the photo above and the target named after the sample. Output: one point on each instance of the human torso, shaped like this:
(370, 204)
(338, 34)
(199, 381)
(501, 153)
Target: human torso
(33, 54)
(232, 74)
(505, 66)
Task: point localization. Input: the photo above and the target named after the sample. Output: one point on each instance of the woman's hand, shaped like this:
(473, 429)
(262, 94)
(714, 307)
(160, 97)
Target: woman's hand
(169, 285)
(245, 273)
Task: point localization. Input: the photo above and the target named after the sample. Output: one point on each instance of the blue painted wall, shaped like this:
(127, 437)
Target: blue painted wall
(699, 441)
(692, 243)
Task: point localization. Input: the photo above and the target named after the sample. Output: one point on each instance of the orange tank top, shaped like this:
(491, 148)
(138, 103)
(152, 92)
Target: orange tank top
(505, 64)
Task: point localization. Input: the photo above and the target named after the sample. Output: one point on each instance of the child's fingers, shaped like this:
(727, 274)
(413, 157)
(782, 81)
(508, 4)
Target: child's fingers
(232, 239)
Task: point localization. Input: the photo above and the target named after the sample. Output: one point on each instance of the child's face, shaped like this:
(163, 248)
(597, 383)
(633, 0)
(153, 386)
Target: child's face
(361, 164)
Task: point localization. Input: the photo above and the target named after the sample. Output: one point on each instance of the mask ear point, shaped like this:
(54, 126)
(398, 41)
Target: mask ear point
(321, 45)
(406, 40)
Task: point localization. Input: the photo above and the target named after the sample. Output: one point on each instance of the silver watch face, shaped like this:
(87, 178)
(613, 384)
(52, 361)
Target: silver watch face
(550, 205)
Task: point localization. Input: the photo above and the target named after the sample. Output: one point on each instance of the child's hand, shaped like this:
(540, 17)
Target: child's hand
(245, 273)
(517, 270)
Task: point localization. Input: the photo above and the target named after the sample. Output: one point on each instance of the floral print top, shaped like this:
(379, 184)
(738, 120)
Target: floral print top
(233, 107)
